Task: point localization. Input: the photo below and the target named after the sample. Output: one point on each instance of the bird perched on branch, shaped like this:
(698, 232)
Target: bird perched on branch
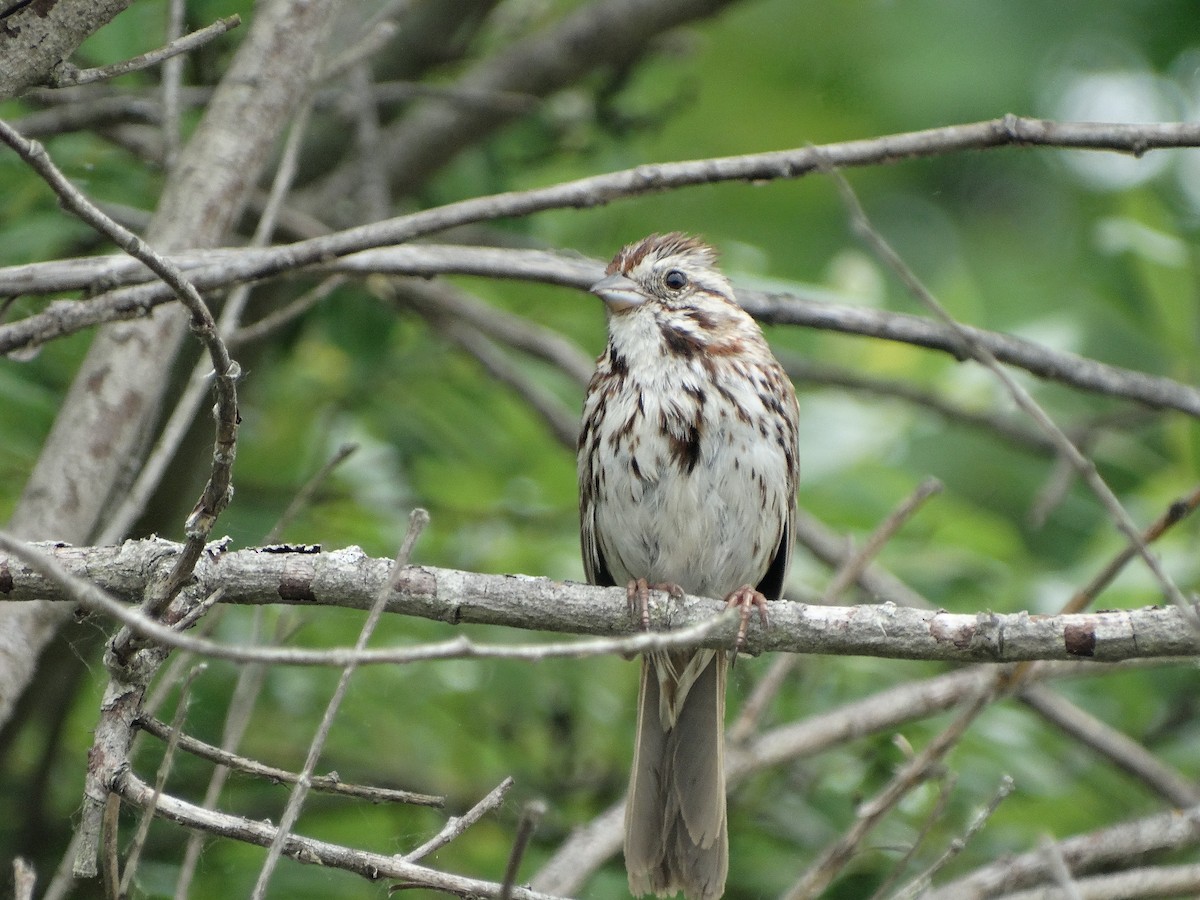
(687, 481)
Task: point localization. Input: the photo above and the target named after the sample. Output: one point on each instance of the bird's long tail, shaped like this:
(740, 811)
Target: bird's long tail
(675, 832)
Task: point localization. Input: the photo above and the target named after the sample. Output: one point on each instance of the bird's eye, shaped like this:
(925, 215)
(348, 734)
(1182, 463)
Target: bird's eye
(675, 280)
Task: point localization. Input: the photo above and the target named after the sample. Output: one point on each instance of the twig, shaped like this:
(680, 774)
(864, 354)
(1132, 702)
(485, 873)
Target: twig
(603, 189)
(457, 825)
(24, 879)
(374, 40)
(1119, 749)
(246, 691)
(66, 75)
(416, 524)
(1151, 882)
(1057, 867)
(112, 727)
(272, 322)
(372, 866)
(1024, 400)
(134, 853)
(374, 189)
(957, 845)
(442, 301)
(531, 814)
(213, 269)
(110, 847)
(329, 784)
(562, 422)
(151, 472)
(834, 857)
(172, 80)
(217, 491)
(1016, 432)
(237, 719)
(304, 496)
(1177, 511)
(64, 875)
(945, 789)
(850, 571)
(594, 842)
(1093, 850)
(831, 549)
(853, 567)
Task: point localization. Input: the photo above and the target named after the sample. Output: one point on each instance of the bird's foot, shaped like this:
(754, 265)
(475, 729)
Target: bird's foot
(638, 593)
(742, 600)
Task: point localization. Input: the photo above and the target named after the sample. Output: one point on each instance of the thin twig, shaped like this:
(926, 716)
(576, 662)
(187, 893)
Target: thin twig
(68, 76)
(1176, 512)
(217, 491)
(442, 300)
(249, 685)
(834, 857)
(850, 571)
(1102, 848)
(853, 567)
(328, 784)
(1149, 882)
(1118, 748)
(531, 814)
(172, 81)
(110, 846)
(945, 789)
(364, 863)
(63, 881)
(237, 719)
(1024, 400)
(306, 493)
(134, 853)
(457, 825)
(272, 322)
(416, 524)
(957, 845)
(562, 422)
(151, 472)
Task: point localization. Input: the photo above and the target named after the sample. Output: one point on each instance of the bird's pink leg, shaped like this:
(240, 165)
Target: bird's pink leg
(638, 594)
(743, 599)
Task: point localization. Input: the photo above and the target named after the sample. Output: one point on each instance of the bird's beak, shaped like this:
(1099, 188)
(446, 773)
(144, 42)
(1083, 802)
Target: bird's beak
(619, 292)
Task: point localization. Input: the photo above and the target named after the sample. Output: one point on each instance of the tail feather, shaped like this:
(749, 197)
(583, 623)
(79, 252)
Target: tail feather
(675, 831)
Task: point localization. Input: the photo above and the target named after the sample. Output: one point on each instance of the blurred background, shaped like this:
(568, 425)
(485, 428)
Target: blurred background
(1085, 252)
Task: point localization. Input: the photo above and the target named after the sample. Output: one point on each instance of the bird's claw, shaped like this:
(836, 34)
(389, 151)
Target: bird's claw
(743, 599)
(638, 594)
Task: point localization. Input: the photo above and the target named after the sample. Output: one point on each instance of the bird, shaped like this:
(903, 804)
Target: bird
(688, 465)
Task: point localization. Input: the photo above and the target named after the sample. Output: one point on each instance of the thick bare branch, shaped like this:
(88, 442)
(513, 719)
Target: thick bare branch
(348, 578)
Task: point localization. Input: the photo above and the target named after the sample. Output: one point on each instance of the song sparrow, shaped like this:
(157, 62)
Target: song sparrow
(687, 481)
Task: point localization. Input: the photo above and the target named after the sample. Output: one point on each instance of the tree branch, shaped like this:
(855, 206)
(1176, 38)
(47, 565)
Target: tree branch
(372, 866)
(306, 576)
(66, 75)
(1082, 853)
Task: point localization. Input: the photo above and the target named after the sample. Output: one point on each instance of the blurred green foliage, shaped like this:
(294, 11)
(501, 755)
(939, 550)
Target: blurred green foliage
(1048, 245)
